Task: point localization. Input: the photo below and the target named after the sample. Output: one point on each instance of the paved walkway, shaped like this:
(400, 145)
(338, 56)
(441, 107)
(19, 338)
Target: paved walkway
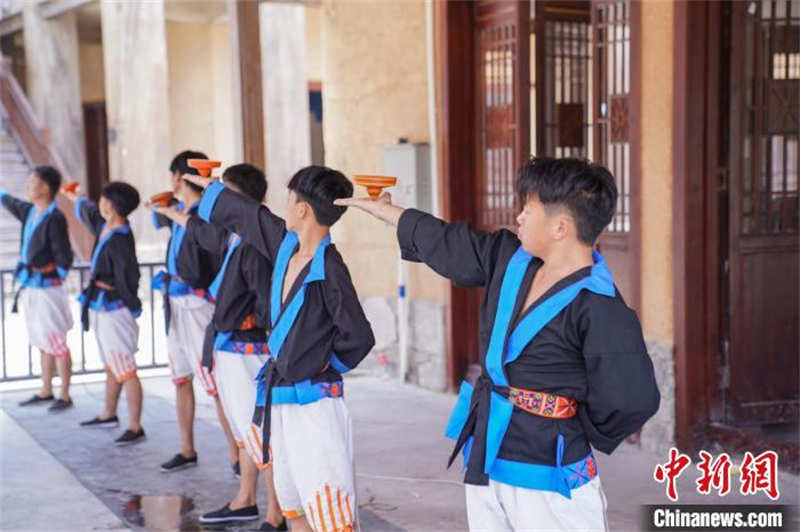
(56, 476)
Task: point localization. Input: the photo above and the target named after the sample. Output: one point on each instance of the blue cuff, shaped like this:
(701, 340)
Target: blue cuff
(3, 193)
(136, 313)
(78, 214)
(154, 218)
(209, 199)
(62, 272)
(338, 365)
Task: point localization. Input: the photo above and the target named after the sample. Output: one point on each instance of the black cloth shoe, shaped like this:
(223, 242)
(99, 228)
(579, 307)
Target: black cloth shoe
(237, 471)
(130, 438)
(226, 515)
(97, 423)
(266, 527)
(60, 405)
(178, 462)
(35, 400)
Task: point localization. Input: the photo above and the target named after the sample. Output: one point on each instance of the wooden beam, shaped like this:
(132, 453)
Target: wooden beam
(689, 242)
(244, 26)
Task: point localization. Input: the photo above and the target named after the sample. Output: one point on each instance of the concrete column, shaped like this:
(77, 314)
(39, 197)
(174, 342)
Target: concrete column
(137, 101)
(288, 139)
(53, 83)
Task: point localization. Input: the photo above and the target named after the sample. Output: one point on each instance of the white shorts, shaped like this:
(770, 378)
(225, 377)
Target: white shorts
(47, 318)
(235, 375)
(312, 463)
(117, 335)
(498, 507)
(189, 317)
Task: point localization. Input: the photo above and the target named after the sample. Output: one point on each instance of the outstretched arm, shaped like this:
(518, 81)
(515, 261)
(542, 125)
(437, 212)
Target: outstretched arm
(252, 221)
(453, 250)
(210, 237)
(382, 208)
(87, 212)
(162, 215)
(19, 209)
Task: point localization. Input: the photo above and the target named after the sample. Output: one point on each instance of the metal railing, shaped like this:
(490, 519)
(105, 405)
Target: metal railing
(13, 334)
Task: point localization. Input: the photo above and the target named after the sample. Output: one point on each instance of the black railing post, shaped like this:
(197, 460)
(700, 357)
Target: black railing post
(152, 320)
(80, 322)
(3, 319)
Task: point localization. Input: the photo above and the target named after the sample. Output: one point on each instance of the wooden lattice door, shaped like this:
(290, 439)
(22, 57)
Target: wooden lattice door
(502, 52)
(563, 78)
(615, 25)
(763, 353)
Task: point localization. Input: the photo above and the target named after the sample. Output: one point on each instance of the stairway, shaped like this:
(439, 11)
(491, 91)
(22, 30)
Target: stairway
(14, 172)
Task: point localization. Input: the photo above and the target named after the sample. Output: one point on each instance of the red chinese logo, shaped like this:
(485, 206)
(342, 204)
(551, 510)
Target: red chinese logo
(670, 471)
(759, 473)
(716, 474)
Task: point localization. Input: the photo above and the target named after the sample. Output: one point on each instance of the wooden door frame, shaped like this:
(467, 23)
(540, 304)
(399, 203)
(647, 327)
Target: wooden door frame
(455, 75)
(454, 23)
(699, 187)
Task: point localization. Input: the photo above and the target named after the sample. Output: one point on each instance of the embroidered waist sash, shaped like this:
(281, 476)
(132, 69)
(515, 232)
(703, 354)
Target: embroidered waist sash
(301, 393)
(34, 277)
(479, 435)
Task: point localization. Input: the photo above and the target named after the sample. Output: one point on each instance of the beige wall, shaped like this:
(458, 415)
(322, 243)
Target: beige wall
(374, 91)
(91, 66)
(200, 89)
(656, 141)
(313, 43)
(222, 95)
(191, 102)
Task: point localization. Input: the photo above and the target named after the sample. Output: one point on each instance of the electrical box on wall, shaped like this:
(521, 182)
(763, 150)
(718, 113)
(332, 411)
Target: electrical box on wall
(411, 164)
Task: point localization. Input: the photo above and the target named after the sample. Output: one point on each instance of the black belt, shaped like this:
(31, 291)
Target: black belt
(89, 293)
(262, 415)
(208, 346)
(31, 270)
(167, 306)
(17, 271)
(476, 425)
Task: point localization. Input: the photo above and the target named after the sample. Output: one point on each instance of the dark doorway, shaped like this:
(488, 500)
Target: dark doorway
(761, 352)
(737, 75)
(96, 132)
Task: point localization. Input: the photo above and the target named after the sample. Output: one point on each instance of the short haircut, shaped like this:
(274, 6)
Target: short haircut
(319, 186)
(122, 196)
(51, 177)
(180, 164)
(249, 179)
(586, 190)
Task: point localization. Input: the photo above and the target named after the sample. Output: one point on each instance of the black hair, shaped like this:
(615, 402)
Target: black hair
(586, 190)
(249, 179)
(51, 176)
(122, 196)
(319, 186)
(180, 164)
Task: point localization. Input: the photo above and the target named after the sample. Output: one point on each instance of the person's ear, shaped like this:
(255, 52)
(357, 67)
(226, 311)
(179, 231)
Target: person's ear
(563, 227)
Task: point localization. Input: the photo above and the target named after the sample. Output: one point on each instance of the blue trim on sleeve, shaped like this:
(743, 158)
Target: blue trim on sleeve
(209, 199)
(3, 193)
(338, 365)
(78, 214)
(62, 272)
